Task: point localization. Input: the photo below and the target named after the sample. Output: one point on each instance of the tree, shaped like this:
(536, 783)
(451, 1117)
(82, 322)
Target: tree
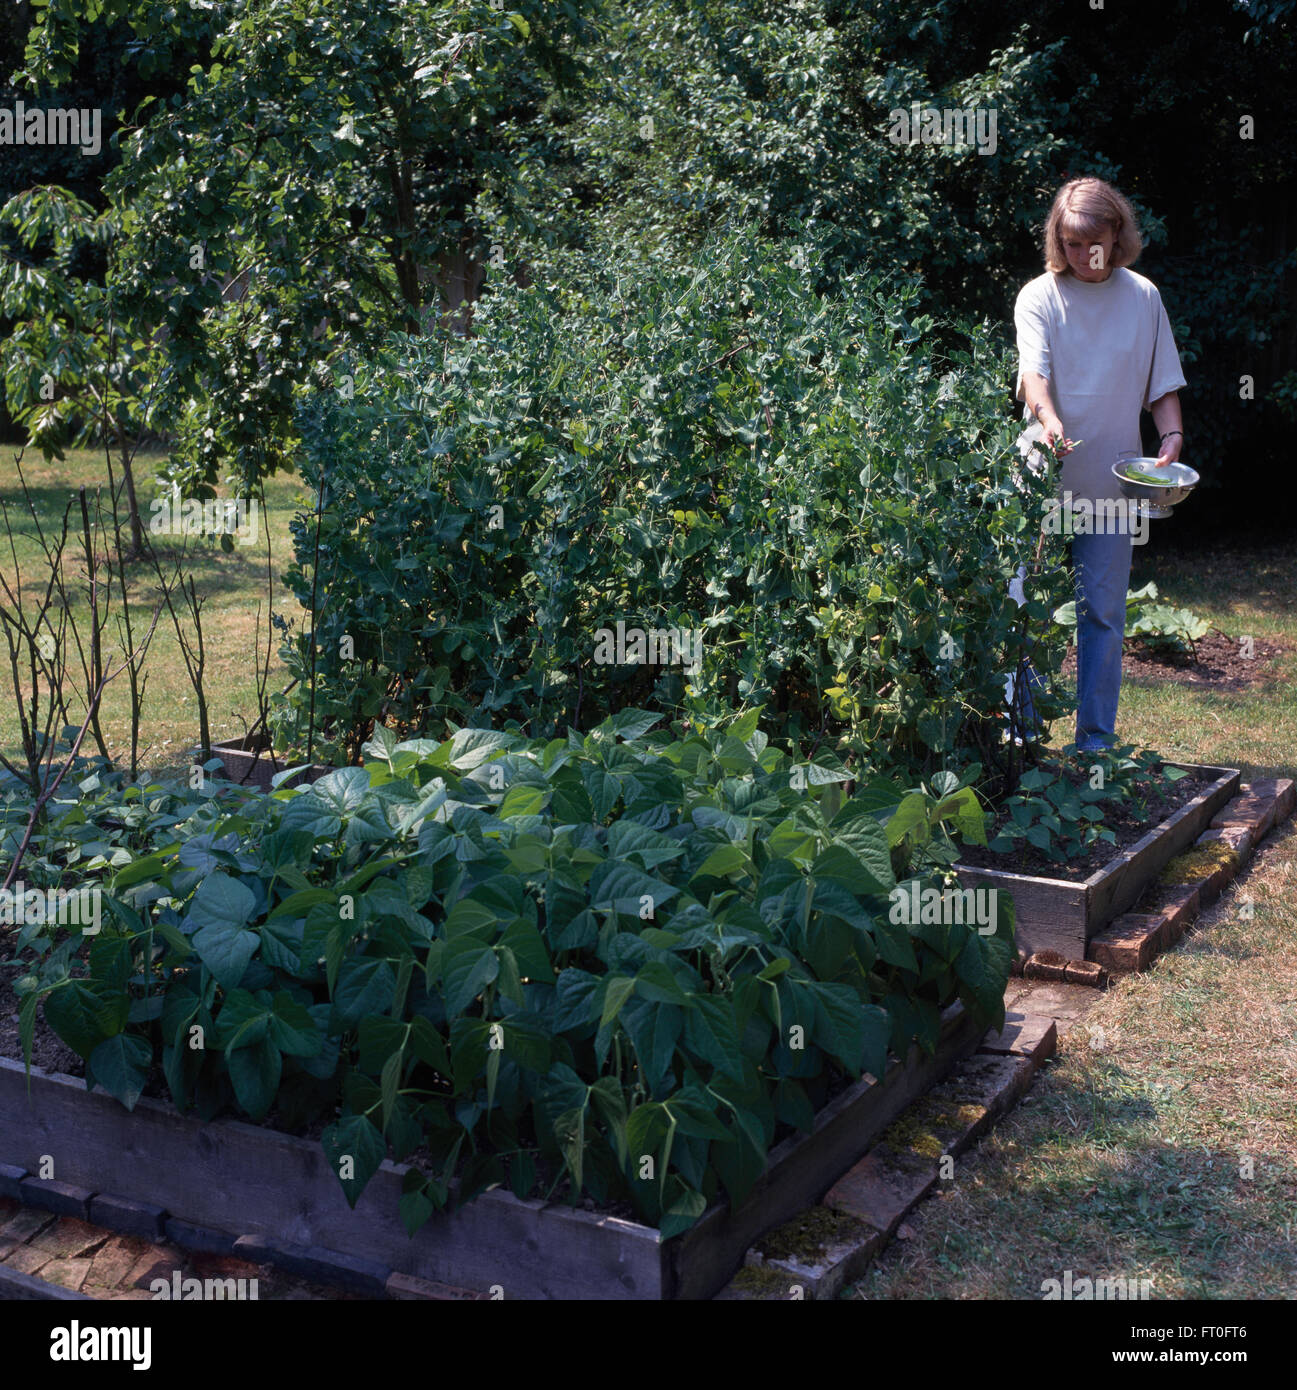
(73, 372)
(315, 186)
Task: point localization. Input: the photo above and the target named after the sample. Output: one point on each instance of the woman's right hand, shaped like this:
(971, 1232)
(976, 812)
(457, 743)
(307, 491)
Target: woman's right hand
(1053, 433)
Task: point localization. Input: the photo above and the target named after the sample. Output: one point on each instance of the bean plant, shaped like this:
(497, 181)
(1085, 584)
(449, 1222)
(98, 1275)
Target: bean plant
(614, 964)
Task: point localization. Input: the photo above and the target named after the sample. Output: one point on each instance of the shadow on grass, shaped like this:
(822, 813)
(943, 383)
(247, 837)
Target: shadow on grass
(1220, 576)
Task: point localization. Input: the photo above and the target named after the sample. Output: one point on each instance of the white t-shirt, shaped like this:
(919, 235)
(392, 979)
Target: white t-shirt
(1107, 350)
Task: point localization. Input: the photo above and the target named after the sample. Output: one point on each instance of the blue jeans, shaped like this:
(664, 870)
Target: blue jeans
(1102, 564)
(1102, 578)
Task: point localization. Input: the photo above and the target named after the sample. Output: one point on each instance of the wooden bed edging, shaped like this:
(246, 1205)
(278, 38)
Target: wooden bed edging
(255, 765)
(232, 1176)
(1054, 914)
(803, 1168)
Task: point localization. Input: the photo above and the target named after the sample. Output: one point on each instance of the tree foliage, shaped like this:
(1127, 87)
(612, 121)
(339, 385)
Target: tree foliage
(304, 193)
(333, 161)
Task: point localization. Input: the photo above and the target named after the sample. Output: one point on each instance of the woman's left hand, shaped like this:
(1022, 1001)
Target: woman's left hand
(1170, 451)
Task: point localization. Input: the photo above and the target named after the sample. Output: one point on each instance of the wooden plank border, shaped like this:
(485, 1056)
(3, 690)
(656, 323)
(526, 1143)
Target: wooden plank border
(27, 1288)
(1122, 882)
(241, 1178)
(254, 766)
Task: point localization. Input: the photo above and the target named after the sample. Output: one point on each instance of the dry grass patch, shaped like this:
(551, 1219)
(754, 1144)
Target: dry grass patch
(233, 585)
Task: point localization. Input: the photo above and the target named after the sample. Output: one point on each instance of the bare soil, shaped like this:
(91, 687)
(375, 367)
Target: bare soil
(1218, 663)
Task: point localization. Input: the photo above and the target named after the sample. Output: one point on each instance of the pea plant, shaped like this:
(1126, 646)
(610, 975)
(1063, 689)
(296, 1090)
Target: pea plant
(798, 476)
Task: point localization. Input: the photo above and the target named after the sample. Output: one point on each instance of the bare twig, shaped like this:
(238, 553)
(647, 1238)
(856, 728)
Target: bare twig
(315, 581)
(725, 356)
(44, 797)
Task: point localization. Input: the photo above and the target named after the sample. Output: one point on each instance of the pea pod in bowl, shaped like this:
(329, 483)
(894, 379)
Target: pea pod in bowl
(1160, 488)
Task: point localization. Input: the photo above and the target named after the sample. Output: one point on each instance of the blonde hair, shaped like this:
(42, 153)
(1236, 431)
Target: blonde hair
(1089, 207)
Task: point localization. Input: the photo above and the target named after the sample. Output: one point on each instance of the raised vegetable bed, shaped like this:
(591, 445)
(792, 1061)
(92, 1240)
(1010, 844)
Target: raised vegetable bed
(1056, 914)
(249, 1179)
(252, 763)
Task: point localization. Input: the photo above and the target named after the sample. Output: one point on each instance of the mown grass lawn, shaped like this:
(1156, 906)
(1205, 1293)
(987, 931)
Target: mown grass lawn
(233, 584)
(1162, 1143)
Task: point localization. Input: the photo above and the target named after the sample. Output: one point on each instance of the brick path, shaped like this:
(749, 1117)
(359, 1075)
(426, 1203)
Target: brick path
(104, 1265)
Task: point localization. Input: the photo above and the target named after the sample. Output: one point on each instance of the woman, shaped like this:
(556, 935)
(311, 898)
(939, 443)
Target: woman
(1094, 348)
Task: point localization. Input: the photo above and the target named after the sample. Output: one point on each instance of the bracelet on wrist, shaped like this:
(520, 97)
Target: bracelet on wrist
(1168, 435)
